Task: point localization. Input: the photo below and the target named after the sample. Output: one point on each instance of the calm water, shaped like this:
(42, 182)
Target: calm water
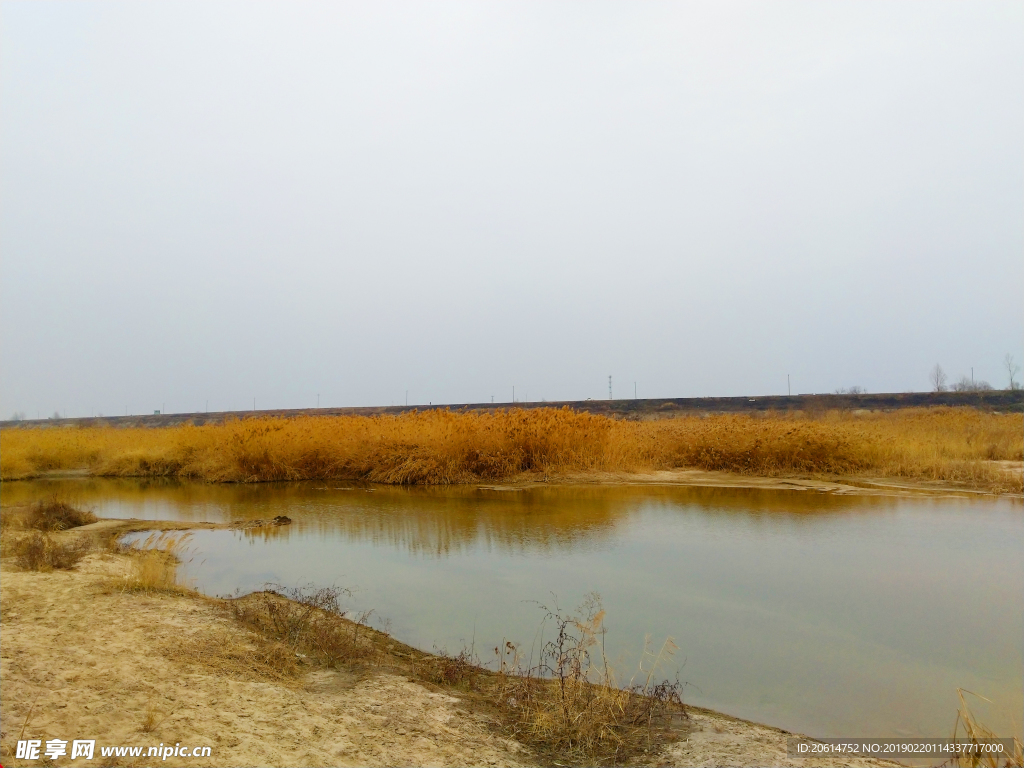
(834, 616)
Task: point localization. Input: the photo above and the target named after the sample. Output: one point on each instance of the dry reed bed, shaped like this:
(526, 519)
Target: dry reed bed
(957, 445)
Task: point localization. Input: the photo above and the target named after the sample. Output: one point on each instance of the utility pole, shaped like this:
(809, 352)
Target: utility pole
(972, 377)
(609, 387)
(254, 405)
(513, 393)
(407, 398)
(634, 390)
(789, 391)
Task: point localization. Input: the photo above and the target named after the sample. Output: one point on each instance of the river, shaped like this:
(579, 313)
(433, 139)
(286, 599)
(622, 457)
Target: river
(830, 615)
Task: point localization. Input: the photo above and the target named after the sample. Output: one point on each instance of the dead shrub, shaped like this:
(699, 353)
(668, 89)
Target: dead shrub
(39, 552)
(571, 704)
(460, 670)
(308, 619)
(57, 515)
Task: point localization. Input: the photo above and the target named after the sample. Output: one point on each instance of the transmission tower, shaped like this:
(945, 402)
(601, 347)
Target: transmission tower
(610, 388)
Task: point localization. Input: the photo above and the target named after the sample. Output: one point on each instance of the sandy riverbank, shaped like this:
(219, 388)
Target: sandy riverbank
(840, 485)
(82, 657)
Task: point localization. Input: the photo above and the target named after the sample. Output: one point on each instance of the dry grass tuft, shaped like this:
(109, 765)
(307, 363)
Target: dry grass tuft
(153, 563)
(569, 706)
(152, 719)
(39, 552)
(241, 655)
(460, 670)
(959, 445)
(309, 620)
(57, 515)
(571, 703)
(975, 733)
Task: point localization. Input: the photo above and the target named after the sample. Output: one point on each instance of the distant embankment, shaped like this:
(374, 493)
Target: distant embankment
(993, 400)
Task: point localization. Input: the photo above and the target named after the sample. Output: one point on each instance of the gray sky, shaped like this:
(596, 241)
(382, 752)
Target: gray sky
(233, 200)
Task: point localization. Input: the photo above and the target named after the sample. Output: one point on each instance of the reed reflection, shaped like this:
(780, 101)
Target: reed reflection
(438, 521)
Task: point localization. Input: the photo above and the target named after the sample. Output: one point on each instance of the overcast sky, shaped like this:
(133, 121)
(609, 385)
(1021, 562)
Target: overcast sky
(220, 201)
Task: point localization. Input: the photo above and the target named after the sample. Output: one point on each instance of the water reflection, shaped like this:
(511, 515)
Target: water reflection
(438, 521)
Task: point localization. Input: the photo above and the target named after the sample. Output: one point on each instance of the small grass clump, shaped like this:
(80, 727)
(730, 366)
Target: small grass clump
(153, 563)
(57, 515)
(39, 552)
(460, 670)
(152, 719)
(307, 619)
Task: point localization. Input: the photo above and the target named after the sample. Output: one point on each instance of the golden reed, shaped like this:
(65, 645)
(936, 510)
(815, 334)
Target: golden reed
(959, 445)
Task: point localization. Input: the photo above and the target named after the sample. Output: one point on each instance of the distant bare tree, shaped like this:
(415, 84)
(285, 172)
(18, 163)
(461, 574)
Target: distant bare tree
(964, 384)
(938, 378)
(1013, 369)
(855, 390)
(18, 416)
